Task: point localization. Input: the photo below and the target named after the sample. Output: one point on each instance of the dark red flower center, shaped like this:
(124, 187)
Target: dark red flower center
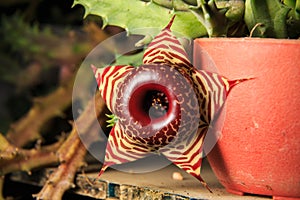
(156, 104)
(150, 103)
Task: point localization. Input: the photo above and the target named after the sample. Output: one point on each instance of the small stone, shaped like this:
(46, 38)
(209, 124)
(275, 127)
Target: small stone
(177, 176)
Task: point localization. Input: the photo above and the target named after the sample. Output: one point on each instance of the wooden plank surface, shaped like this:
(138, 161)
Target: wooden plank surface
(159, 184)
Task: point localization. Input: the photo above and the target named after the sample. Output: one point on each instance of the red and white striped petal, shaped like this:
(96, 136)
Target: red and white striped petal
(166, 49)
(122, 149)
(212, 90)
(190, 157)
(108, 79)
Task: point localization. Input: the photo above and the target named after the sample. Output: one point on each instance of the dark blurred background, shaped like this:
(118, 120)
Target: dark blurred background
(42, 43)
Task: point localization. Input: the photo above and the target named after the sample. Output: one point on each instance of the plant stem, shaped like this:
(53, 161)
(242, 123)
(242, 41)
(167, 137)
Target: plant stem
(71, 154)
(43, 109)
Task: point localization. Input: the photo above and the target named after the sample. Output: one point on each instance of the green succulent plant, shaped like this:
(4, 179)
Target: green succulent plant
(202, 18)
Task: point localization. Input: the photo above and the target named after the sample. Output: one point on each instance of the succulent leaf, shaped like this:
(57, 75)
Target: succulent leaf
(133, 60)
(212, 18)
(195, 18)
(293, 18)
(134, 14)
(270, 14)
(175, 4)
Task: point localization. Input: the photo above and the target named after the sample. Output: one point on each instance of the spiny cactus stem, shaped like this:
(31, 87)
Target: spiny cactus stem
(62, 178)
(71, 154)
(43, 109)
(15, 159)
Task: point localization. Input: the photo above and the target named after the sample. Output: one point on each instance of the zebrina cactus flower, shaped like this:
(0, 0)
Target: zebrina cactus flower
(164, 106)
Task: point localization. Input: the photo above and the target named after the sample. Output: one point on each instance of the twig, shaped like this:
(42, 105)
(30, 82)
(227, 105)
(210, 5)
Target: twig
(62, 178)
(71, 155)
(44, 108)
(15, 159)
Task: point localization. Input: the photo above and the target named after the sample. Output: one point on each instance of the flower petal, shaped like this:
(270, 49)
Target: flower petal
(166, 49)
(188, 155)
(108, 79)
(122, 149)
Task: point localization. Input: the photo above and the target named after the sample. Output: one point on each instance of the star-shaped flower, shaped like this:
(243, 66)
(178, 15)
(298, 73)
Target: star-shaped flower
(164, 106)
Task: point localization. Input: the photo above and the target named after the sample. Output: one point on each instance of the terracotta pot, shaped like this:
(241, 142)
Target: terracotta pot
(259, 149)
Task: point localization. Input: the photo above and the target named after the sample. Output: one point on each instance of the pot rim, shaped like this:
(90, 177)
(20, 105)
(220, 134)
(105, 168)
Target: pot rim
(250, 39)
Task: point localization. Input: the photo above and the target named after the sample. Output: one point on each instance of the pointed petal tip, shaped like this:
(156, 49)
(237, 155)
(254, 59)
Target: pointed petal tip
(170, 23)
(204, 184)
(233, 83)
(103, 168)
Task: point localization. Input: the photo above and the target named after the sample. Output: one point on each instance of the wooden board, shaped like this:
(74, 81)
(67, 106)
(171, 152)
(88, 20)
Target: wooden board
(159, 184)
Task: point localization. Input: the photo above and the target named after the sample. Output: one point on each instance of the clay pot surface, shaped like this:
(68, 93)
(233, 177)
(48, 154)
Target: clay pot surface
(259, 148)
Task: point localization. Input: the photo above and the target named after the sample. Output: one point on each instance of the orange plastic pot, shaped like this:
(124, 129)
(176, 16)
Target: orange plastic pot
(259, 148)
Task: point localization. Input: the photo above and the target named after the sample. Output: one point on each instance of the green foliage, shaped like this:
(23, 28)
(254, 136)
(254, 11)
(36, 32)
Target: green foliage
(21, 37)
(294, 4)
(134, 14)
(193, 18)
(199, 18)
(112, 120)
(29, 50)
(133, 60)
(15, 41)
(270, 16)
(293, 18)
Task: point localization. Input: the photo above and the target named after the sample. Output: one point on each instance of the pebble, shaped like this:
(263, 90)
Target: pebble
(177, 176)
